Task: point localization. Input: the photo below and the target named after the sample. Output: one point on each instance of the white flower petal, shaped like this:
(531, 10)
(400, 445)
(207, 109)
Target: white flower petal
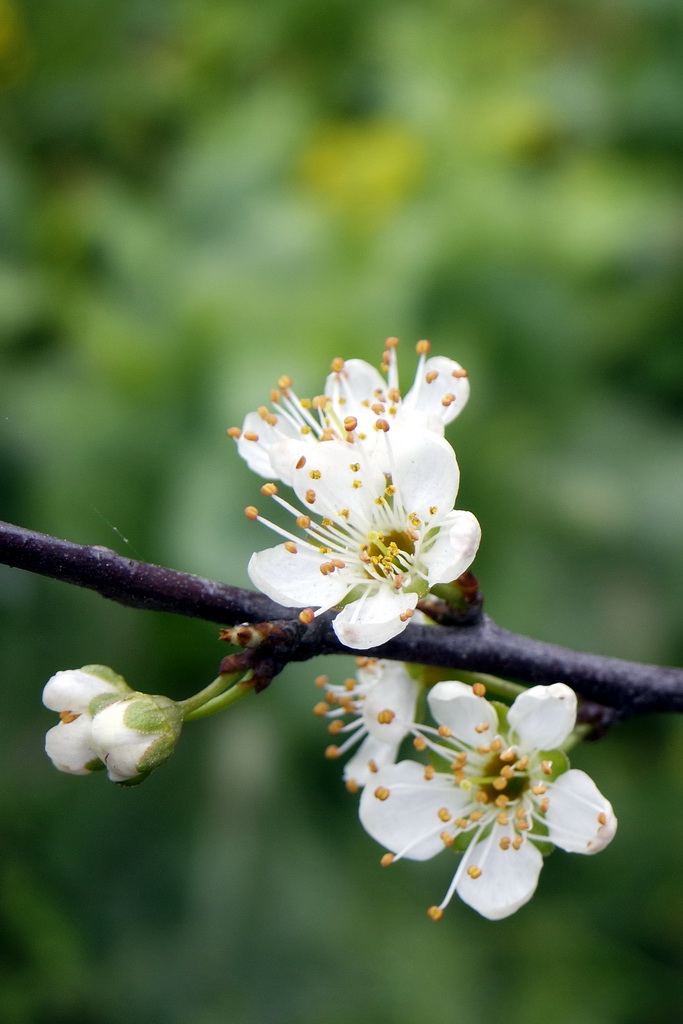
(381, 754)
(543, 716)
(374, 618)
(408, 821)
(256, 454)
(73, 689)
(428, 397)
(508, 877)
(471, 719)
(295, 580)
(353, 387)
(425, 471)
(579, 818)
(68, 745)
(454, 548)
(396, 691)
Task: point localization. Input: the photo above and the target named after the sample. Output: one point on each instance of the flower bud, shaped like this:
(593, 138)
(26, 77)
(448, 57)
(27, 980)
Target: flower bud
(134, 735)
(77, 694)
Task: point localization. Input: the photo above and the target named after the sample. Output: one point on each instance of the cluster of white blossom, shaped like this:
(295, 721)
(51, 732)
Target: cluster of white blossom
(376, 483)
(105, 724)
(496, 788)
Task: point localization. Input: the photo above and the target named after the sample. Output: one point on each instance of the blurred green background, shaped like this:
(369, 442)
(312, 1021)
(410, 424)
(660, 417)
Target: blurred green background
(196, 197)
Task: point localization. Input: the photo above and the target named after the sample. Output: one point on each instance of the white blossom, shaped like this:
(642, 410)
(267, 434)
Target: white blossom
(134, 735)
(77, 694)
(355, 395)
(380, 703)
(386, 530)
(499, 798)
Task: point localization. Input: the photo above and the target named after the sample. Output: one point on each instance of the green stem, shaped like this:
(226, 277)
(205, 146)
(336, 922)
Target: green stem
(222, 700)
(495, 687)
(219, 685)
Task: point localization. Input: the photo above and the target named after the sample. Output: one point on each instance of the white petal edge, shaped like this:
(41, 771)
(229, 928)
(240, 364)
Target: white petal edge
(579, 818)
(454, 549)
(295, 580)
(543, 716)
(374, 618)
(453, 704)
(508, 877)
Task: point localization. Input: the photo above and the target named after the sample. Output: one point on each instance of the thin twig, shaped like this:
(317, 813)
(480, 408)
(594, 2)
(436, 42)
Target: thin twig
(628, 687)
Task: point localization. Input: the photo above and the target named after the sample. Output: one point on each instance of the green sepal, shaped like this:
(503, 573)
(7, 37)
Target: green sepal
(108, 676)
(153, 713)
(560, 762)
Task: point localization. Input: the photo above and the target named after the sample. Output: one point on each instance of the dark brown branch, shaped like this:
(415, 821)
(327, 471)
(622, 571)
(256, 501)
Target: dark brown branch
(628, 687)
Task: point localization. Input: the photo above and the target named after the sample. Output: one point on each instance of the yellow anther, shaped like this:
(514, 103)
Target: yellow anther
(269, 490)
(485, 748)
(460, 759)
(249, 435)
(499, 783)
(321, 708)
(496, 744)
(352, 786)
(544, 804)
(502, 800)
(504, 843)
(387, 859)
(234, 432)
(335, 727)
(444, 731)
(350, 423)
(433, 509)
(459, 373)
(310, 496)
(482, 797)
(275, 395)
(337, 365)
(431, 376)
(391, 342)
(301, 463)
(547, 767)
(68, 716)
(517, 842)
(436, 913)
(386, 717)
(520, 813)
(303, 522)
(539, 789)
(306, 616)
(314, 474)
(502, 818)
(350, 683)
(377, 408)
(461, 822)
(508, 755)
(444, 814)
(476, 815)
(473, 871)
(331, 752)
(478, 689)
(447, 839)
(602, 818)
(482, 727)
(448, 400)
(372, 766)
(251, 512)
(407, 614)
(429, 772)
(321, 681)
(522, 764)
(423, 347)
(381, 425)
(291, 547)
(507, 772)
(356, 484)
(382, 793)
(419, 743)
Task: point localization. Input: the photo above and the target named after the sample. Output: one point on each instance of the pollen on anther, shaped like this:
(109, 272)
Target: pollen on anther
(482, 727)
(372, 766)
(419, 743)
(291, 547)
(504, 843)
(517, 842)
(602, 818)
(301, 463)
(303, 522)
(382, 793)
(335, 727)
(337, 365)
(436, 913)
(499, 783)
(352, 786)
(331, 752)
(391, 342)
(547, 767)
(423, 347)
(447, 839)
(251, 512)
(539, 789)
(407, 614)
(459, 373)
(234, 432)
(508, 755)
(473, 871)
(306, 615)
(429, 772)
(310, 496)
(431, 377)
(479, 690)
(444, 731)
(522, 764)
(448, 400)
(386, 717)
(315, 474)
(321, 681)
(387, 859)
(249, 435)
(444, 814)
(321, 708)
(382, 425)
(350, 423)
(507, 771)
(269, 490)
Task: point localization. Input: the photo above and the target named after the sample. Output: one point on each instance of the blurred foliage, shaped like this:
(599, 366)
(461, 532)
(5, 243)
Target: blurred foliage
(196, 197)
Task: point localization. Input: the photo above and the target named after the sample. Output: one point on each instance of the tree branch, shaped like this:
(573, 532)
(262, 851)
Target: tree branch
(627, 687)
